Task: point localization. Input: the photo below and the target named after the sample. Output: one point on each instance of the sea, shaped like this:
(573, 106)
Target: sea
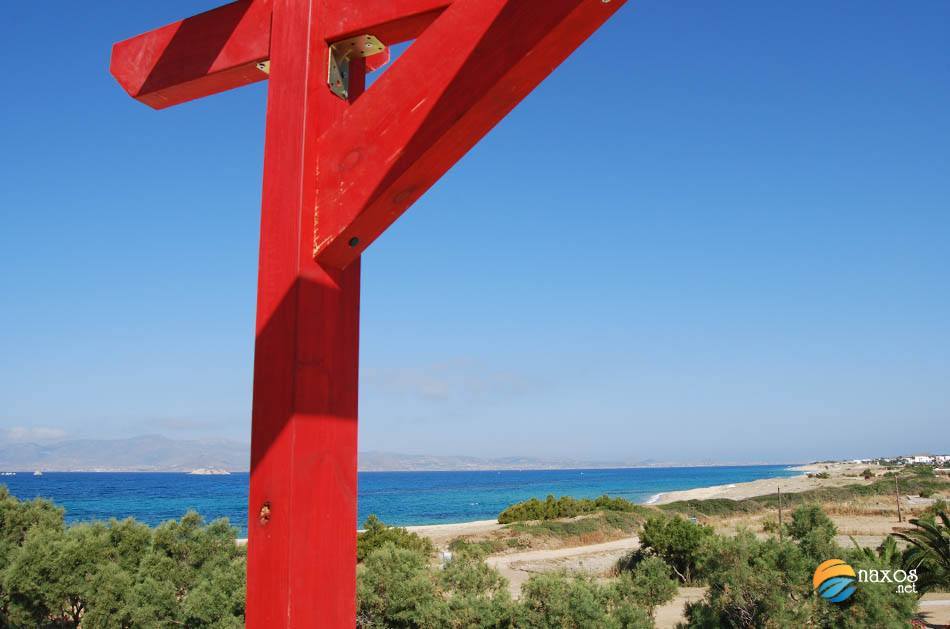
(397, 498)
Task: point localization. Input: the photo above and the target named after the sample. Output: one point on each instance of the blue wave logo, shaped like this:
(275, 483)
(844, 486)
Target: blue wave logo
(835, 580)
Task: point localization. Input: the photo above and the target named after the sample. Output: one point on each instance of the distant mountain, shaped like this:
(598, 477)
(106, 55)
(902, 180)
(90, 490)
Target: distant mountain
(150, 453)
(390, 462)
(153, 453)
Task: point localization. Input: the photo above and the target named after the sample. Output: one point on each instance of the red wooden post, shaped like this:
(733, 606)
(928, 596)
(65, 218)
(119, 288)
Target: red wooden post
(337, 172)
(302, 552)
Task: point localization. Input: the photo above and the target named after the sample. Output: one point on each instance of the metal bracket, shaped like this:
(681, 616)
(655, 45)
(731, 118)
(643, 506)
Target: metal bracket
(338, 74)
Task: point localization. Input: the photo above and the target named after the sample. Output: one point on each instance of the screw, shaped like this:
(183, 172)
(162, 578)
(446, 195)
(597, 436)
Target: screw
(354, 241)
(265, 513)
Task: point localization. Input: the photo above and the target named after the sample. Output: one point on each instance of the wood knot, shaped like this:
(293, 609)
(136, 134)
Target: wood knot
(265, 513)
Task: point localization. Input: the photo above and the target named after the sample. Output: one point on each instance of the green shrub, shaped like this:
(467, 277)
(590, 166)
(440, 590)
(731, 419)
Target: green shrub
(814, 531)
(375, 534)
(564, 507)
(755, 583)
(648, 586)
(867, 474)
(396, 588)
(926, 493)
(678, 542)
(116, 574)
(556, 600)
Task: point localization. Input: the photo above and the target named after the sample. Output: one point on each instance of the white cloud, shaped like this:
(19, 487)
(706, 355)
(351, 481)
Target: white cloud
(32, 433)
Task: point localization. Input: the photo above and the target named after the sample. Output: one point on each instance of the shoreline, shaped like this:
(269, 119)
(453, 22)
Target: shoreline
(104, 470)
(838, 474)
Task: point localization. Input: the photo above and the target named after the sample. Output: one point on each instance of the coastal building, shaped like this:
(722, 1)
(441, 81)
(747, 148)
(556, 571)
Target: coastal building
(925, 459)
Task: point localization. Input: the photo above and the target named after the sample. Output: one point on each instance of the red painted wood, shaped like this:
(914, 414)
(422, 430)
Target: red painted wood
(391, 21)
(219, 49)
(333, 171)
(202, 55)
(302, 560)
(457, 80)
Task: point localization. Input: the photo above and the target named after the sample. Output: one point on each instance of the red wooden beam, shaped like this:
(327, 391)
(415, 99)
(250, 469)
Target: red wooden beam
(219, 50)
(391, 21)
(462, 75)
(202, 55)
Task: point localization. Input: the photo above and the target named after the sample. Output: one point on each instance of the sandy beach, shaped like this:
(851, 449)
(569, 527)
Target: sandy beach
(840, 474)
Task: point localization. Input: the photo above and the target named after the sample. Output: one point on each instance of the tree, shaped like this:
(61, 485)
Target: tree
(768, 583)
(676, 541)
(752, 583)
(648, 586)
(814, 531)
(394, 589)
(555, 600)
(116, 574)
(929, 552)
(376, 534)
(477, 594)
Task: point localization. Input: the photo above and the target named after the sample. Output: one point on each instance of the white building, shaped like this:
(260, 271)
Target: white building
(942, 458)
(919, 458)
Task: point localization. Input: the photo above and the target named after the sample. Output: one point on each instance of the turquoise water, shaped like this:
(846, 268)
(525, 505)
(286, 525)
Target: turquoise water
(401, 498)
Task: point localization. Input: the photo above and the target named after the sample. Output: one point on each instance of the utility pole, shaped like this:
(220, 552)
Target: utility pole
(780, 532)
(897, 490)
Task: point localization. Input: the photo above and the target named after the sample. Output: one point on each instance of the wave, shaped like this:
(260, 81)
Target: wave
(654, 498)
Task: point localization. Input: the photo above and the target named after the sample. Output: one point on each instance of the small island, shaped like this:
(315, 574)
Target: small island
(209, 471)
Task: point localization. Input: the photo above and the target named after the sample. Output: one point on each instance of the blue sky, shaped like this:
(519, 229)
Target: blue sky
(718, 232)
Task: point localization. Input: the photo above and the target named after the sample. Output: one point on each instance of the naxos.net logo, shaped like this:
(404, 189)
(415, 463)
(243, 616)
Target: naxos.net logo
(835, 581)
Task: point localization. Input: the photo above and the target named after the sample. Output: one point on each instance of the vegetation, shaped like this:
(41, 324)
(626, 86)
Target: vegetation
(767, 583)
(678, 542)
(649, 585)
(724, 507)
(188, 573)
(376, 534)
(929, 552)
(564, 507)
(116, 574)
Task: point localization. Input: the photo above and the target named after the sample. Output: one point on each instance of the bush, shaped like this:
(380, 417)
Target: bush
(867, 474)
(376, 534)
(814, 531)
(556, 600)
(564, 507)
(396, 588)
(676, 541)
(648, 586)
(755, 583)
(920, 470)
(926, 493)
(116, 574)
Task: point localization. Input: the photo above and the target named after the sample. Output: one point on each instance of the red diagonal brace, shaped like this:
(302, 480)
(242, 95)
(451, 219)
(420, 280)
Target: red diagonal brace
(460, 77)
